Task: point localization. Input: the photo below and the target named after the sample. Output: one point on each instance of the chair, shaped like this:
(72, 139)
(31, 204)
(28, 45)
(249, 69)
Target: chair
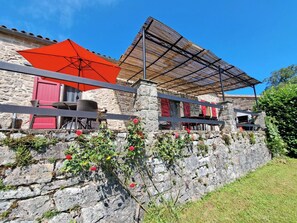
(36, 103)
(90, 106)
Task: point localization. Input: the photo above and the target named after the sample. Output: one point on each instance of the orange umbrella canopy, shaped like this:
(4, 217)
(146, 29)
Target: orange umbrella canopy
(70, 58)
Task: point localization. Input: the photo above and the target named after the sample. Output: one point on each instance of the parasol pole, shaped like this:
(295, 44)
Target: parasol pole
(79, 69)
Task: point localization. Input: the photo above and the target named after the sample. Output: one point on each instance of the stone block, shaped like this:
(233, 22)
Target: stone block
(5, 205)
(53, 152)
(161, 168)
(38, 173)
(70, 197)
(2, 135)
(93, 214)
(33, 208)
(21, 192)
(61, 218)
(59, 184)
(6, 155)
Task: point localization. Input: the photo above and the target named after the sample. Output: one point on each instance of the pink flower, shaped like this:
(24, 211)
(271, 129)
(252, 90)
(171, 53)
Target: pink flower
(176, 135)
(93, 168)
(135, 121)
(188, 130)
(132, 185)
(131, 148)
(79, 132)
(68, 157)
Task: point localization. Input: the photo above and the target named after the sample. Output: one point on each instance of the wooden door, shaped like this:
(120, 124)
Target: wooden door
(46, 92)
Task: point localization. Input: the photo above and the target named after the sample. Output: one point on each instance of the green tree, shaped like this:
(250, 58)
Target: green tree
(280, 102)
(284, 75)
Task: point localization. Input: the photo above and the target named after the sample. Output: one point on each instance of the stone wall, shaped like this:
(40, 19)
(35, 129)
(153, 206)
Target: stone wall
(14, 88)
(243, 102)
(17, 89)
(40, 188)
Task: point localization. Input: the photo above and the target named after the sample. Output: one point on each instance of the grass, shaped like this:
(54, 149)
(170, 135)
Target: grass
(266, 195)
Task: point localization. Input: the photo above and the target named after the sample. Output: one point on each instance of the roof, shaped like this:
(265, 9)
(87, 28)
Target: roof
(41, 39)
(24, 34)
(176, 64)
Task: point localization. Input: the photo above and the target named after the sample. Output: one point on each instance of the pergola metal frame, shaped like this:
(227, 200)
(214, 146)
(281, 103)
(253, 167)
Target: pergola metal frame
(223, 76)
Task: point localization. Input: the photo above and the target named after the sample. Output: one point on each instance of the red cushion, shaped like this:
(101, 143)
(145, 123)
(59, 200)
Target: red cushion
(187, 109)
(214, 111)
(203, 108)
(165, 107)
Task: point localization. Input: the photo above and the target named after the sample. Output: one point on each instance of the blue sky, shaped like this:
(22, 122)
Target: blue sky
(258, 36)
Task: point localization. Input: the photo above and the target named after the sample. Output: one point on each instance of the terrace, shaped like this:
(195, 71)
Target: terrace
(160, 65)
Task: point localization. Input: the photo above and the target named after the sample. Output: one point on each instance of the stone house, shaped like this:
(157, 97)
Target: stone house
(168, 66)
(18, 89)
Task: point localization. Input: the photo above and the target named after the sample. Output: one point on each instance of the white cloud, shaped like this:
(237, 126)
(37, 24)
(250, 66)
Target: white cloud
(62, 11)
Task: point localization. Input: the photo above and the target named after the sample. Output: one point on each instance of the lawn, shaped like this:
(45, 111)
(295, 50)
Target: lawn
(267, 195)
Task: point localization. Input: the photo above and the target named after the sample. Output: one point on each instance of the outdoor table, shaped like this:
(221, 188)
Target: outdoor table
(65, 105)
(68, 106)
(195, 126)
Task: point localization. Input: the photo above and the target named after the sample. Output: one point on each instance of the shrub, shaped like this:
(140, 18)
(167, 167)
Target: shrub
(169, 148)
(252, 138)
(227, 139)
(22, 147)
(281, 104)
(275, 142)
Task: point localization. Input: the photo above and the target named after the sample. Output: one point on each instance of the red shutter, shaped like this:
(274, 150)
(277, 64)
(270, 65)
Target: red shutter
(187, 109)
(203, 108)
(165, 107)
(214, 111)
(46, 93)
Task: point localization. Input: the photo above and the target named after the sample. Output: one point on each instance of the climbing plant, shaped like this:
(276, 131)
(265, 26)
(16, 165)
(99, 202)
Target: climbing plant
(23, 146)
(169, 147)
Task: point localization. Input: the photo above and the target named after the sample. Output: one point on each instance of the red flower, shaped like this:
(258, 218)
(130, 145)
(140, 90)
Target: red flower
(188, 130)
(68, 157)
(93, 168)
(131, 148)
(176, 135)
(78, 132)
(132, 185)
(135, 121)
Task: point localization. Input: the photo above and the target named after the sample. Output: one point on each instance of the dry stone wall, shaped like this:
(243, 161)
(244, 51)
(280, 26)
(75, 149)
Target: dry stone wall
(41, 188)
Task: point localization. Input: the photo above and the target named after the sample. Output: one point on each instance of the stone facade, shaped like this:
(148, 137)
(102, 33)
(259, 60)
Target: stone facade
(14, 88)
(243, 102)
(41, 187)
(17, 89)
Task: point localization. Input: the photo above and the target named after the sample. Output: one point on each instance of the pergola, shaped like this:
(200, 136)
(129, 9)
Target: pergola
(160, 54)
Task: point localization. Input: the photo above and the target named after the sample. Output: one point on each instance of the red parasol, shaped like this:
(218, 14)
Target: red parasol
(70, 58)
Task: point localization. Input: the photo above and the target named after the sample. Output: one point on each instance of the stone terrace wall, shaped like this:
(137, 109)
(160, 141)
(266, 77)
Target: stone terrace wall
(40, 187)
